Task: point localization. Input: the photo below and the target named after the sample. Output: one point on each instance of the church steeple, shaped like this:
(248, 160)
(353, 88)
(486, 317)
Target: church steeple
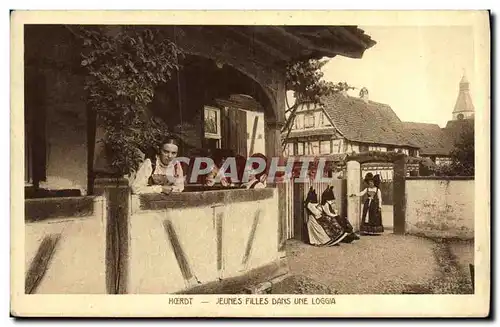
(464, 109)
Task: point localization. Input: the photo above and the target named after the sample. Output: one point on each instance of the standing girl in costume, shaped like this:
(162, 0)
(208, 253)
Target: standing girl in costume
(371, 218)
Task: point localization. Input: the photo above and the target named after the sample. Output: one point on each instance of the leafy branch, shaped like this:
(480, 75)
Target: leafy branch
(124, 68)
(462, 156)
(305, 79)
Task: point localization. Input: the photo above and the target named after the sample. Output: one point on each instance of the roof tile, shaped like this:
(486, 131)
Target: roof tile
(365, 121)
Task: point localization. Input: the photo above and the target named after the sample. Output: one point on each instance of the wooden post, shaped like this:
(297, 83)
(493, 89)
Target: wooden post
(117, 194)
(91, 137)
(282, 216)
(399, 195)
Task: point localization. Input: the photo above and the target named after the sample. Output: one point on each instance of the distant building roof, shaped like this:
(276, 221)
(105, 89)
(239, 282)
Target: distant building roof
(464, 100)
(430, 138)
(365, 121)
(454, 129)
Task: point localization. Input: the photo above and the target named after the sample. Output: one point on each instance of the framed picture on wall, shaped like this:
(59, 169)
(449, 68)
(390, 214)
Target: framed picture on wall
(212, 127)
(212, 122)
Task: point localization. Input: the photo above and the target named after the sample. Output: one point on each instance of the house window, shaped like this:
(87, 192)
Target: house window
(378, 148)
(289, 149)
(313, 148)
(299, 122)
(324, 147)
(323, 120)
(309, 121)
(363, 148)
(336, 146)
(212, 127)
(300, 149)
(412, 152)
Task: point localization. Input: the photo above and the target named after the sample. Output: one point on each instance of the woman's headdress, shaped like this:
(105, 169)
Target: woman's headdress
(311, 197)
(327, 195)
(368, 177)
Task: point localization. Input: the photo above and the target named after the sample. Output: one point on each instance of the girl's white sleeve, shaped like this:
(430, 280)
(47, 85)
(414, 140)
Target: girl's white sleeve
(140, 183)
(362, 193)
(326, 209)
(379, 193)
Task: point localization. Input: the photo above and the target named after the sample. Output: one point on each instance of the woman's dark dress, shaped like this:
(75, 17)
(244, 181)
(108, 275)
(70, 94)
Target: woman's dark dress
(372, 209)
(329, 224)
(332, 228)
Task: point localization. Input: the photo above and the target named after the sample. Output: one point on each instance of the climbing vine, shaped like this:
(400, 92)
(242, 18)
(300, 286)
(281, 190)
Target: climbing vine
(305, 79)
(125, 65)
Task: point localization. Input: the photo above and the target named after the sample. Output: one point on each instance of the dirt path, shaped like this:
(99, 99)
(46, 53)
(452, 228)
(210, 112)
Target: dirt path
(385, 264)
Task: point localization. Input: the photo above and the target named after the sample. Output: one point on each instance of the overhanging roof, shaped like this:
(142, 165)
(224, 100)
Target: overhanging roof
(292, 43)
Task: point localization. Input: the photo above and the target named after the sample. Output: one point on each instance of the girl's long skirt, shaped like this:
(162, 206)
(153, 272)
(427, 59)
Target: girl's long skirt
(347, 227)
(371, 222)
(324, 231)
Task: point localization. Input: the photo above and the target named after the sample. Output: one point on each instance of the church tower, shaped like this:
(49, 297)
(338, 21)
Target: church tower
(464, 109)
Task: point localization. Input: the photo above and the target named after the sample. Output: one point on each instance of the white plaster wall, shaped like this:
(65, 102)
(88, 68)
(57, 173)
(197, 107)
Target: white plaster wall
(440, 208)
(78, 264)
(153, 267)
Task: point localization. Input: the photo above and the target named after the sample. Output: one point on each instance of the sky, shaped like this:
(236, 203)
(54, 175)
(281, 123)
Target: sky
(415, 70)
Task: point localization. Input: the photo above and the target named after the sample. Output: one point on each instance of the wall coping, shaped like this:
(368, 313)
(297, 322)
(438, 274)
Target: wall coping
(441, 178)
(41, 209)
(199, 199)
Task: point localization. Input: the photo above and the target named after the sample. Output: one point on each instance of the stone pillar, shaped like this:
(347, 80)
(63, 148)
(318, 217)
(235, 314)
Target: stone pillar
(353, 184)
(116, 192)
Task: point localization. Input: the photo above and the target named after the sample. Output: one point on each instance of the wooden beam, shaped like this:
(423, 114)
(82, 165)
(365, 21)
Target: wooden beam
(251, 238)
(117, 236)
(180, 255)
(40, 264)
(331, 51)
(248, 35)
(254, 134)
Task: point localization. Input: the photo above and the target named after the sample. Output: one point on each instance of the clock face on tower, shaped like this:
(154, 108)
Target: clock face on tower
(460, 116)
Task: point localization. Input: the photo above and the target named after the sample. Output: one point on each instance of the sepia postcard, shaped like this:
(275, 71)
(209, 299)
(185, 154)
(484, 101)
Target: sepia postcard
(250, 164)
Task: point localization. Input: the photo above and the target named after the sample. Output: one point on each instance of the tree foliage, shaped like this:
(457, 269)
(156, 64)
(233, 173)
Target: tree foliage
(462, 156)
(124, 67)
(305, 79)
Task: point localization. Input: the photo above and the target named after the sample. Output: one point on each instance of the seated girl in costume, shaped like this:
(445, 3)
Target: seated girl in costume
(329, 207)
(257, 180)
(160, 174)
(219, 158)
(322, 229)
